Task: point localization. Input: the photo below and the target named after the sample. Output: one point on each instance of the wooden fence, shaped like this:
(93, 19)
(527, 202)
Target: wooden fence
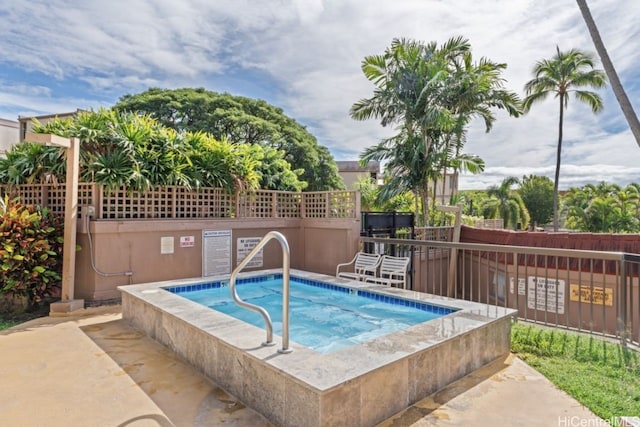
(173, 202)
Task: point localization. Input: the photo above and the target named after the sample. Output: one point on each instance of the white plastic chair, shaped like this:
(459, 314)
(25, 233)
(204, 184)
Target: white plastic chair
(393, 271)
(364, 265)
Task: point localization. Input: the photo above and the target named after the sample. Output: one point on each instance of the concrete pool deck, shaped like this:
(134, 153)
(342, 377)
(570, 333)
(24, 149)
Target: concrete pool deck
(94, 369)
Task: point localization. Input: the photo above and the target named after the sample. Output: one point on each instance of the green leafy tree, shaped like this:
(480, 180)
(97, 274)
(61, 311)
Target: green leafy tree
(603, 208)
(561, 75)
(370, 199)
(239, 120)
(537, 195)
(506, 204)
(275, 172)
(472, 201)
(368, 194)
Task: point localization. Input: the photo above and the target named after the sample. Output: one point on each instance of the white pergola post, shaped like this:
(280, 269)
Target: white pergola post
(67, 303)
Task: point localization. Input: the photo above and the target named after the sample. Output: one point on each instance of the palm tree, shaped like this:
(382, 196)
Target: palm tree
(537, 194)
(616, 85)
(566, 72)
(409, 83)
(431, 93)
(406, 163)
(473, 89)
(506, 204)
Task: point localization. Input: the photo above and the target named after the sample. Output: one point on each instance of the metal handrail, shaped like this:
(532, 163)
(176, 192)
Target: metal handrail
(480, 268)
(285, 290)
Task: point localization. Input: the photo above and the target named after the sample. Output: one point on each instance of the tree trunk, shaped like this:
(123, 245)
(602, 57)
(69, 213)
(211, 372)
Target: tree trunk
(558, 157)
(616, 85)
(444, 186)
(425, 201)
(424, 197)
(416, 198)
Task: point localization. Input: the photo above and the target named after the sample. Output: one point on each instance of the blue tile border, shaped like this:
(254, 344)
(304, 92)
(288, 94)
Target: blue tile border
(420, 305)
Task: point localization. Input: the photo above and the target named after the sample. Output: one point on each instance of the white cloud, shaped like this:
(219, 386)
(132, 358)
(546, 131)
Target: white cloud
(305, 55)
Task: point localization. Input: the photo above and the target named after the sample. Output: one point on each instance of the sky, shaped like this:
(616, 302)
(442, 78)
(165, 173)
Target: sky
(305, 57)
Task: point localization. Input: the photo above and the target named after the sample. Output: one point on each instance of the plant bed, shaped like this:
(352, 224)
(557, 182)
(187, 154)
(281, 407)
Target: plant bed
(8, 320)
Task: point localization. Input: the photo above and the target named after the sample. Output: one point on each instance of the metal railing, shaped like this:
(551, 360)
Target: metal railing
(441, 234)
(285, 289)
(587, 291)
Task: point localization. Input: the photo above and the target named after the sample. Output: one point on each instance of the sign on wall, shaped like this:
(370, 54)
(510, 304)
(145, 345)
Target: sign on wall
(522, 285)
(166, 245)
(595, 295)
(545, 294)
(246, 245)
(216, 252)
(187, 241)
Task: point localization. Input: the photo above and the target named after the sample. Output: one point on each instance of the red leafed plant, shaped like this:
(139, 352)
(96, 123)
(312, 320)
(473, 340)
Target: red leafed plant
(30, 251)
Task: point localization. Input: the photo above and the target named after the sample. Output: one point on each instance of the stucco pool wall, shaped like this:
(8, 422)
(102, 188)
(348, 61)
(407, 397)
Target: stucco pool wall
(360, 385)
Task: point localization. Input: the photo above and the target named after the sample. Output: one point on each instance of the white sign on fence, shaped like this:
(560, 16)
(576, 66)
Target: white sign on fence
(216, 252)
(522, 284)
(246, 245)
(545, 294)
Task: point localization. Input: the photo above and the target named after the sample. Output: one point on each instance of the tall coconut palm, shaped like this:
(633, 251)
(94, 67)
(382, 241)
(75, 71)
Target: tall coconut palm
(616, 85)
(566, 72)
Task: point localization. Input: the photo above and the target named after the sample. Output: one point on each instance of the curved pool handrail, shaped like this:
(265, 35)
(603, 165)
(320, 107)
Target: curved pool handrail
(285, 289)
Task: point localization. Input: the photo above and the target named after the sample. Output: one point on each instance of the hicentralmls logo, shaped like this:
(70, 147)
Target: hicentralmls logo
(576, 421)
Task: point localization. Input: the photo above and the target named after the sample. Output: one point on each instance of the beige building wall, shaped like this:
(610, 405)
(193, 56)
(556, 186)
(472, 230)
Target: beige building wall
(26, 122)
(8, 135)
(316, 245)
(444, 192)
(351, 172)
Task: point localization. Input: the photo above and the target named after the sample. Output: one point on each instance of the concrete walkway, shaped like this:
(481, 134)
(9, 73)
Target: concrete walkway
(93, 369)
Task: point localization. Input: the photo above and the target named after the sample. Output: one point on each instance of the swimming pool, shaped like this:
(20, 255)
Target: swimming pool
(358, 385)
(323, 317)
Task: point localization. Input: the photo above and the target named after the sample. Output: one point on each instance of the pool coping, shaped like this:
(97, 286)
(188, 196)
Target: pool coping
(318, 373)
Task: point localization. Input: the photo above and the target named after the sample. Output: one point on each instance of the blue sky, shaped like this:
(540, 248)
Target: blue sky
(304, 56)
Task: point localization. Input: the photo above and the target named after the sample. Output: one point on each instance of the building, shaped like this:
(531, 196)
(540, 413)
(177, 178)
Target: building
(351, 172)
(8, 135)
(446, 191)
(26, 123)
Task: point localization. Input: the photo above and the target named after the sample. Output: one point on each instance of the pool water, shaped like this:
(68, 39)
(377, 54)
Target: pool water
(323, 318)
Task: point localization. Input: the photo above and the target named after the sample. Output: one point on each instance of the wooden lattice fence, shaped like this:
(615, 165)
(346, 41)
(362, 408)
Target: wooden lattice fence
(174, 202)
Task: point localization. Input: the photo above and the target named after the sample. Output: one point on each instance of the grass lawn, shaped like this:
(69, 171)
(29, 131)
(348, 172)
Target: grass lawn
(7, 321)
(6, 324)
(602, 375)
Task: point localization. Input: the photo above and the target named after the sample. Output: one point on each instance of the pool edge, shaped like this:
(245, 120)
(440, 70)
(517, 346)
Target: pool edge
(359, 385)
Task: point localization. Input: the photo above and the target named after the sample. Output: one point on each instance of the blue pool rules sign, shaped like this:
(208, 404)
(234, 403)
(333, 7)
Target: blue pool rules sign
(216, 252)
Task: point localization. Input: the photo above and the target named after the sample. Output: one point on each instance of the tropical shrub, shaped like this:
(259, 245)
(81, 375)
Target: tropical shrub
(136, 152)
(30, 252)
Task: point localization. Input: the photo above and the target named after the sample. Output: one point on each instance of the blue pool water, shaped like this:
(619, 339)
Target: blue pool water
(323, 317)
